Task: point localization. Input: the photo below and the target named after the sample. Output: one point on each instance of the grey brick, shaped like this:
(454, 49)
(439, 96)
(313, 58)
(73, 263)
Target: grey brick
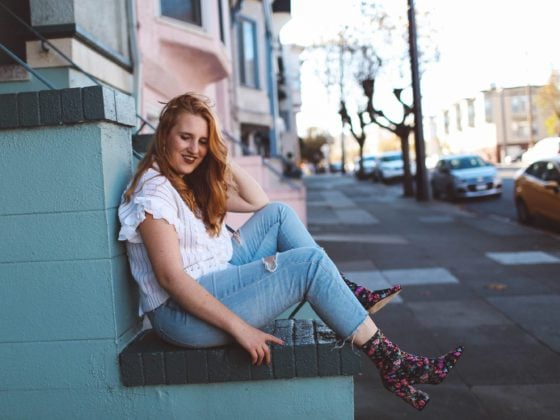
(154, 368)
(305, 349)
(28, 109)
(72, 105)
(125, 109)
(197, 366)
(261, 372)
(327, 354)
(8, 111)
(131, 369)
(175, 367)
(50, 107)
(228, 364)
(283, 356)
(99, 103)
(309, 350)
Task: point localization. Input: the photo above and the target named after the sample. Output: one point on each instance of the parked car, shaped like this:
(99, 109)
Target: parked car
(537, 191)
(464, 175)
(544, 148)
(390, 166)
(370, 163)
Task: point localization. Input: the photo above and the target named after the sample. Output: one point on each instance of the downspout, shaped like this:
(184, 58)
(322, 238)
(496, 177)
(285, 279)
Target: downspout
(270, 76)
(135, 54)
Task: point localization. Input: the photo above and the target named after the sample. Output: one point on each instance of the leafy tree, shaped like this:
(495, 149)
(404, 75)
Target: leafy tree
(548, 100)
(312, 145)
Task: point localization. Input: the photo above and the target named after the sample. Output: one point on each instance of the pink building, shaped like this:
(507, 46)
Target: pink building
(229, 52)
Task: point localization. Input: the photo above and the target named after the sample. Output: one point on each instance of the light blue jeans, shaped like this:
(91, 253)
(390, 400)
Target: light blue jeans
(258, 289)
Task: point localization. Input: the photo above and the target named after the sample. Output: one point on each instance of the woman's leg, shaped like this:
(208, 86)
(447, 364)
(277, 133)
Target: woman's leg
(259, 292)
(277, 228)
(274, 228)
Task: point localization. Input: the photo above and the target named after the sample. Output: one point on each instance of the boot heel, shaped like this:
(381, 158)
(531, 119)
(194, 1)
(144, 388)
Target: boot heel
(402, 389)
(385, 296)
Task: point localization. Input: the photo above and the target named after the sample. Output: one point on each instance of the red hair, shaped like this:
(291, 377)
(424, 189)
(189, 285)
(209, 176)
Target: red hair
(204, 190)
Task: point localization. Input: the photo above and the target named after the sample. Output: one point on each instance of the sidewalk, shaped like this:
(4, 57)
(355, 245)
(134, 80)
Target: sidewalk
(491, 285)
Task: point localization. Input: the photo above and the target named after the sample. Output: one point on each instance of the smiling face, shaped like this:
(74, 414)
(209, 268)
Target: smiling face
(187, 143)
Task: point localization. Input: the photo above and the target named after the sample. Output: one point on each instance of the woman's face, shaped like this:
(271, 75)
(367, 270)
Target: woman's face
(187, 143)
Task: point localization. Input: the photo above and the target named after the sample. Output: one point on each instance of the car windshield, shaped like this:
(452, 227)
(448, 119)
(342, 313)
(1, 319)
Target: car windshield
(390, 158)
(466, 162)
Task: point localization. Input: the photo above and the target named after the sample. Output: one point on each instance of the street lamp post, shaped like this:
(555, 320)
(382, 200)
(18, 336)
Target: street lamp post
(421, 175)
(341, 82)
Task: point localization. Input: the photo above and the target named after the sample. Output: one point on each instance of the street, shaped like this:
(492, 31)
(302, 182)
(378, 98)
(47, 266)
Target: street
(468, 278)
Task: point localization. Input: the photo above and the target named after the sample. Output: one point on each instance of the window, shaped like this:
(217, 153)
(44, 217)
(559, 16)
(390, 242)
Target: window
(551, 173)
(488, 109)
(520, 129)
(471, 112)
(248, 63)
(458, 120)
(183, 10)
(537, 169)
(518, 104)
(446, 121)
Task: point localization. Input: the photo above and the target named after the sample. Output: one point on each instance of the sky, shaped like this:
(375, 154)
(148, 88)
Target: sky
(481, 42)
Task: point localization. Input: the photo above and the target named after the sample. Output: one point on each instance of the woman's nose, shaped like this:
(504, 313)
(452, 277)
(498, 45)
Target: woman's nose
(193, 146)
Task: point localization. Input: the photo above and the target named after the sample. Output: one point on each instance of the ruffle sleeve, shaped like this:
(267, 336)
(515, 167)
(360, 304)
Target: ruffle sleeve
(133, 213)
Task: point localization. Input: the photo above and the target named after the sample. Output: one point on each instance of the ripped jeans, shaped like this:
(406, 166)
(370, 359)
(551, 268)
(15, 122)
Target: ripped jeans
(275, 265)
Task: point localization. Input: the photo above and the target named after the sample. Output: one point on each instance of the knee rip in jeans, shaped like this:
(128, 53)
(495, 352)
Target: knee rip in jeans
(236, 236)
(270, 263)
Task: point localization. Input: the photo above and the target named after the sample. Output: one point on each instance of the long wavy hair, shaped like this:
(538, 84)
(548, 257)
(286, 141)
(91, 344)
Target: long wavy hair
(204, 190)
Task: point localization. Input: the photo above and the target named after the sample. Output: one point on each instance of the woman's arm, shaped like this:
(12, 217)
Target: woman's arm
(244, 193)
(160, 239)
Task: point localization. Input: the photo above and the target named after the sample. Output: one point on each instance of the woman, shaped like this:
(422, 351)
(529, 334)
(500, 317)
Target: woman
(201, 286)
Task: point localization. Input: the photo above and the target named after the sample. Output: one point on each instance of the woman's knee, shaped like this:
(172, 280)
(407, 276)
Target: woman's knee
(302, 255)
(279, 208)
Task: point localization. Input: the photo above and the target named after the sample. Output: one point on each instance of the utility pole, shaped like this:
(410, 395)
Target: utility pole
(422, 193)
(341, 82)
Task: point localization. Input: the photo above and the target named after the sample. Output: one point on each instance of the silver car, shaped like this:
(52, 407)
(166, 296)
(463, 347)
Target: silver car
(458, 176)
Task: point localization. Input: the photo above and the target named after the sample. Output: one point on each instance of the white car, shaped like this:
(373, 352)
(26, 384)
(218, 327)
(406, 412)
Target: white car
(390, 166)
(370, 163)
(458, 176)
(544, 148)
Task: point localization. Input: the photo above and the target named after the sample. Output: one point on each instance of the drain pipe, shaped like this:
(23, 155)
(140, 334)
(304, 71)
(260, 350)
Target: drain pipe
(135, 54)
(271, 82)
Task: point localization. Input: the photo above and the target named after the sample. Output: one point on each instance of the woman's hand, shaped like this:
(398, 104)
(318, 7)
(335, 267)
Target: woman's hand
(244, 193)
(256, 342)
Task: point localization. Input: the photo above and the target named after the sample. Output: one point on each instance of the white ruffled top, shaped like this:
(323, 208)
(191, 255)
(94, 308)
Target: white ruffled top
(201, 253)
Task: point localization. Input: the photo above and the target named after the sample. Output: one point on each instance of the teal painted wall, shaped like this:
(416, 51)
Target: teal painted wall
(293, 399)
(67, 303)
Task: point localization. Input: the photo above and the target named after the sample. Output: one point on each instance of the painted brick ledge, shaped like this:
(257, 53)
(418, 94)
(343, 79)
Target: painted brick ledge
(66, 106)
(309, 351)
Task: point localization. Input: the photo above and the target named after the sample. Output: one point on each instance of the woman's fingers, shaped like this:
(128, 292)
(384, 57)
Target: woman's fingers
(275, 340)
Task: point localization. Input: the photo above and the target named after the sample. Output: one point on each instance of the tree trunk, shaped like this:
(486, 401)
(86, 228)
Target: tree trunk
(408, 184)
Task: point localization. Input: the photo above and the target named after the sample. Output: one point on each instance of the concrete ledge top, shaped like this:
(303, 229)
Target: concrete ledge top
(310, 351)
(66, 106)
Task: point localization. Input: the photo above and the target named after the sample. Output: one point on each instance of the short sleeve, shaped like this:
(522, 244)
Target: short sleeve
(153, 198)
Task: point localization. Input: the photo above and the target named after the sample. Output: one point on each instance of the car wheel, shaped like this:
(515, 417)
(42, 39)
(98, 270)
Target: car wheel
(523, 214)
(450, 193)
(435, 192)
